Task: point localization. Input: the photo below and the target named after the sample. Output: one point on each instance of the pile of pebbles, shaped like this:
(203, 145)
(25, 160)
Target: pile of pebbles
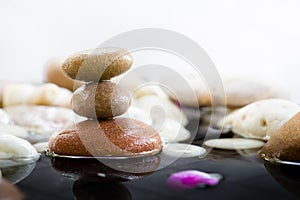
(104, 133)
(99, 98)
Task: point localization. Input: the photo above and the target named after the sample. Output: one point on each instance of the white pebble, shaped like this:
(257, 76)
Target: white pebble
(41, 146)
(234, 143)
(160, 108)
(13, 149)
(138, 114)
(4, 117)
(183, 150)
(15, 130)
(261, 119)
(172, 131)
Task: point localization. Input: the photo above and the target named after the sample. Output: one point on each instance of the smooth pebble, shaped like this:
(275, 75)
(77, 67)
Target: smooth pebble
(183, 150)
(234, 143)
(97, 64)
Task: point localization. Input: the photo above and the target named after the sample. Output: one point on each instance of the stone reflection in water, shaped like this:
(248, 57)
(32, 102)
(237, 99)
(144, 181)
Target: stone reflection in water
(92, 170)
(83, 190)
(287, 175)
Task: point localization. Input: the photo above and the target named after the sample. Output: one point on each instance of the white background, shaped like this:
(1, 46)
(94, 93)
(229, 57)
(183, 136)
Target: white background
(250, 36)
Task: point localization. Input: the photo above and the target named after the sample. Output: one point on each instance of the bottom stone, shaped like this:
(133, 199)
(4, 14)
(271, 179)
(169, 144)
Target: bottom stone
(112, 137)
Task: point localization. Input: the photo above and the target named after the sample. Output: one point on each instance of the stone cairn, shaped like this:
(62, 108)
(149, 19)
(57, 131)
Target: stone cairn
(102, 101)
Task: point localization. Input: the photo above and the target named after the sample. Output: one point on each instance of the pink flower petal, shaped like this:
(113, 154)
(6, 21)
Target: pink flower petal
(190, 179)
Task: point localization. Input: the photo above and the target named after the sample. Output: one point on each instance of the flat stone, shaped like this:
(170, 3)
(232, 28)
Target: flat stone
(177, 150)
(234, 143)
(97, 64)
(115, 137)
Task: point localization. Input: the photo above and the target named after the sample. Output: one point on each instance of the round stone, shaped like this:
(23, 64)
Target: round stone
(54, 74)
(100, 100)
(16, 151)
(97, 64)
(9, 191)
(285, 143)
(113, 137)
(11, 129)
(261, 119)
(40, 122)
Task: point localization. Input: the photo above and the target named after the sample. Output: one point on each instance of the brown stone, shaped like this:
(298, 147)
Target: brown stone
(97, 64)
(9, 191)
(100, 100)
(285, 143)
(54, 74)
(114, 137)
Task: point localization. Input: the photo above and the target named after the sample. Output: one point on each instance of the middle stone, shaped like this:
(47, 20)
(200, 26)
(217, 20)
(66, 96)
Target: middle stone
(100, 100)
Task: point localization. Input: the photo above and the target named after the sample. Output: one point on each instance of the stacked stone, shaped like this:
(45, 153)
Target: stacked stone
(99, 98)
(101, 101)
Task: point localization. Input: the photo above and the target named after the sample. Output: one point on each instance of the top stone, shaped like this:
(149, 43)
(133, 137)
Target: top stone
(97, 64)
